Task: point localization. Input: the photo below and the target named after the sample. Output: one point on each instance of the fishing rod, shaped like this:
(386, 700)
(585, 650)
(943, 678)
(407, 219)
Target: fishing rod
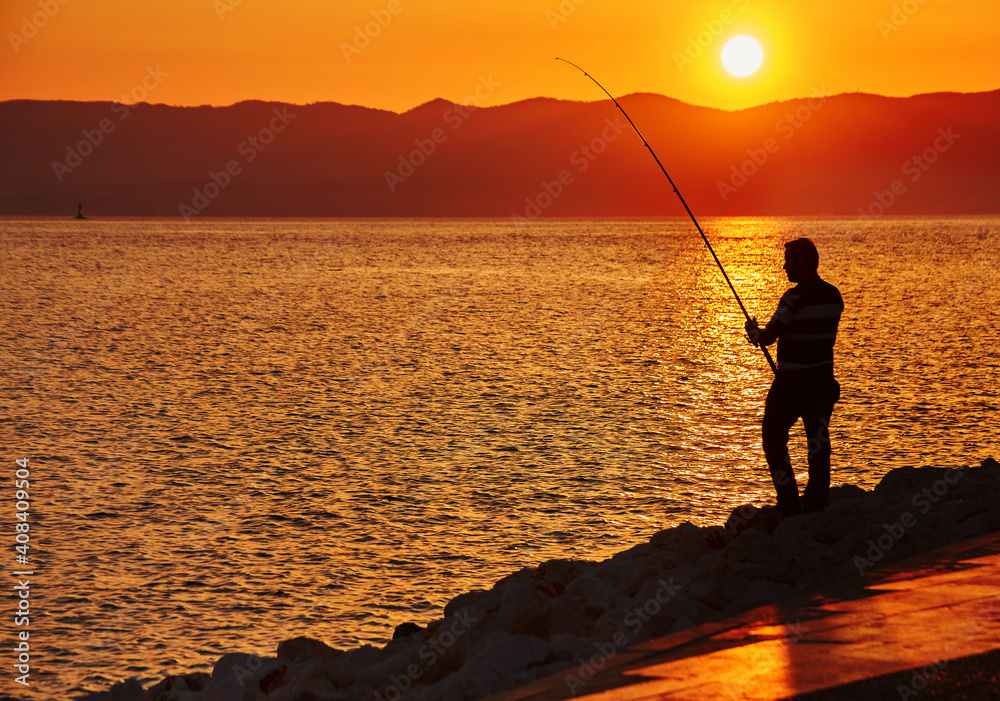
(704, 238)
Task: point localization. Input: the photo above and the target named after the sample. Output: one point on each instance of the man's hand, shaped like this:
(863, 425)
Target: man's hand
(753, 331)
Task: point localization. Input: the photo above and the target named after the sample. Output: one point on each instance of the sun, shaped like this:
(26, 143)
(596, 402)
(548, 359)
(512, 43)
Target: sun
(742, 56)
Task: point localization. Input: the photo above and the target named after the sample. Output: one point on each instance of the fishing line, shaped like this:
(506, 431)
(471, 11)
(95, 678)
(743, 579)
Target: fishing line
(704, 238)
(521, 77)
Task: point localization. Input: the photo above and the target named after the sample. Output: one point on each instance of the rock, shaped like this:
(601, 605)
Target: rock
(900, 480)
(570, 648)
(275, 679)
(128, 690)
(525, 611)
(652, 600)
(563, 572)
(498, 661)
(757, 594)
(591, 595)
(610, 623)
(236, 677)
(312, 683)
(179, 687)
(718, 584)
(739, 518)
(870, 505)
(953, 513)
(792, 539)
(974, 490)
(359, 657)
(495, 663)
(469, 598)
(748, 516)
(636, 552)
(784, 571)
(484, 606)
(550, 589)
(538, 672)
(753, 545)
(828, 528)
(450, 689)
(980, 524)
(509, 653)
(296, 647)
(465, 684)
(399, 671)
(637, 619)
(717, 537)
(844, 492)
(682, 623)
(523, 575)
(440, 649)
(405, 630)
(568, 619)
(686, 541)
(627, 574)
(908, 481)
(312, 696)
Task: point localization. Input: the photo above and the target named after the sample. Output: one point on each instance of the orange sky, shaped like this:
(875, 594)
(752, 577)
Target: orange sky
(223, 51)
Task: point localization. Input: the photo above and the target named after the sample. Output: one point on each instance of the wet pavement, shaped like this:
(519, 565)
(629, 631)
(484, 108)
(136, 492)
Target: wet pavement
(927, 627)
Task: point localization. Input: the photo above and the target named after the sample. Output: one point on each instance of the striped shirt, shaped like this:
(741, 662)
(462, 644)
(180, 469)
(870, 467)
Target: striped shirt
(806, 324)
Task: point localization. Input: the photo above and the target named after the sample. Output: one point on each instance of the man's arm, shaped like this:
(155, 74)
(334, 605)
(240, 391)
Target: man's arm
(759, 336)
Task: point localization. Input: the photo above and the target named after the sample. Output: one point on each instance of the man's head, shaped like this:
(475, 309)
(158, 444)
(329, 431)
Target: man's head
(801, 259)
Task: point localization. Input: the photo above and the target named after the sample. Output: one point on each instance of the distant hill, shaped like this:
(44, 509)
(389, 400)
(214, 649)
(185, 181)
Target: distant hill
(927, 154)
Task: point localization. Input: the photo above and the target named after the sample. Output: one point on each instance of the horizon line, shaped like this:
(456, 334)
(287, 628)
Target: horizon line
(503, 218)
(502, 104)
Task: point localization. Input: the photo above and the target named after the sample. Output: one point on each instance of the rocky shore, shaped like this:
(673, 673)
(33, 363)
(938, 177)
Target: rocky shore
(566, 615)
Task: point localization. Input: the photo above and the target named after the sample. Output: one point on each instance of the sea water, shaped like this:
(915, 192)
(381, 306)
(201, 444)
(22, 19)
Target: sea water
(242, 431)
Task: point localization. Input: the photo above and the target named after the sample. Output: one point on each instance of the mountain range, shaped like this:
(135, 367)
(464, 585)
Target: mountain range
(846, 154)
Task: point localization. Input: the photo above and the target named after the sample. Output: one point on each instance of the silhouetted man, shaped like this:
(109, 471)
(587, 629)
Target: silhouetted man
(805, 327)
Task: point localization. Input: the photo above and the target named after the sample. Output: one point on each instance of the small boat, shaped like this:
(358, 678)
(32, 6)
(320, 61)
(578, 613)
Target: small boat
(79, 212)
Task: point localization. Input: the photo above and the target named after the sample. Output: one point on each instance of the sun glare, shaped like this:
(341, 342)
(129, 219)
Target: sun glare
(742, 56)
